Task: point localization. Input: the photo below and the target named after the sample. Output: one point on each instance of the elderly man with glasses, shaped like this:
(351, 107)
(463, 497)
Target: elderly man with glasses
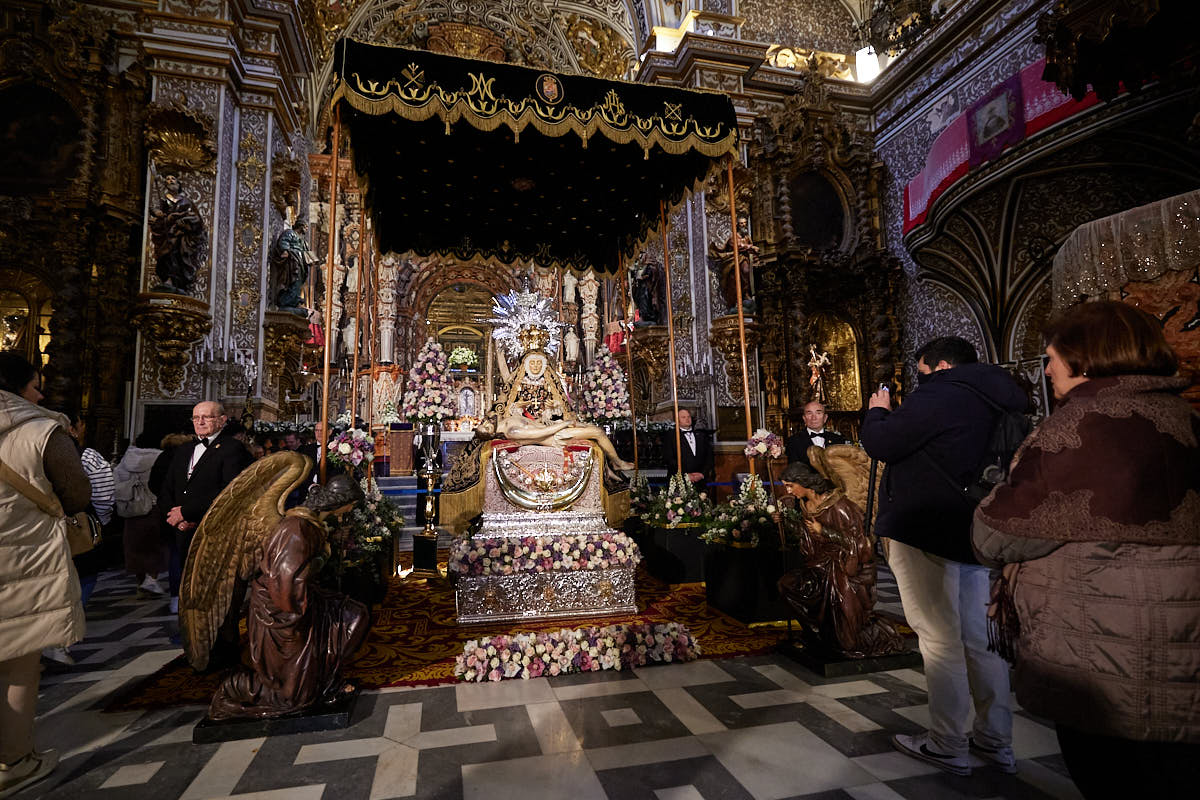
(197, 474)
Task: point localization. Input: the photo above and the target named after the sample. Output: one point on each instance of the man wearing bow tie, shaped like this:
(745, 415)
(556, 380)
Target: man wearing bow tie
(696, 448)
(813, 433)
(197, 474)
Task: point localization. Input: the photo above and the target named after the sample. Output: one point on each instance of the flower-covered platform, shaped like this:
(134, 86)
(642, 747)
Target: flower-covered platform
(544, 549)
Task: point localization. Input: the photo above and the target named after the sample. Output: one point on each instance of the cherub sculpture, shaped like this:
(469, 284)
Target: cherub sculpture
(833, 592)
(299, 635)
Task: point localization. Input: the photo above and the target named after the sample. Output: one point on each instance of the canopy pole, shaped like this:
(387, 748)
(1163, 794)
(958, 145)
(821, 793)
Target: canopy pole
(623, 270)
(737, 278)
(370, 339)
(358, 296)
(662, 213)
(333, 196)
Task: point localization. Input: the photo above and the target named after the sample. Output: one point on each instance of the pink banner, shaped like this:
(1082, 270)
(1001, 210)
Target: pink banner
(1011, 112)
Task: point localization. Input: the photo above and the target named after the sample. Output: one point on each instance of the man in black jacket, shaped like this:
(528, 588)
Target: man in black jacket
(197, 474)
(813, 433)
(697, 450)
(941, 432)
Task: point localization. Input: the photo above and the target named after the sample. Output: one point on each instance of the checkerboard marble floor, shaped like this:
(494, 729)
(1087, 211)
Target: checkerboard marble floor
(760, 727)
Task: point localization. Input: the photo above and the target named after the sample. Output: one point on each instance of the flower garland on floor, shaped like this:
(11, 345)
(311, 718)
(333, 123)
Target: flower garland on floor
(475, 558)
(532, 655)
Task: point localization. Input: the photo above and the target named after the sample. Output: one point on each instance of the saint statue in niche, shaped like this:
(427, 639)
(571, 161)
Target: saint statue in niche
(818, 365)
(723, 256)
(648, 290)
(177, 234)
(289, 267)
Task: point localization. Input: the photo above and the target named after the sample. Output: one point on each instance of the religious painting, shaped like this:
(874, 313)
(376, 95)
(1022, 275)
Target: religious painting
(549, 88)
(996, 121)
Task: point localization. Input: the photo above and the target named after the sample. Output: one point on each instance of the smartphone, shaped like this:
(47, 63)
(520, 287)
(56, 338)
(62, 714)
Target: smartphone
(883, 387)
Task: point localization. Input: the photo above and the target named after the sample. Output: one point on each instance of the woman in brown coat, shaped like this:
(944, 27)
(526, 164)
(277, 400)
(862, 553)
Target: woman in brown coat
(39, 590)
(1099, 526)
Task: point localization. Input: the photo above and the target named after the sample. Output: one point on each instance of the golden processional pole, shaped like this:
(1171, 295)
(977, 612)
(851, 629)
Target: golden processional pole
(623, 269)
(333, 187)
(737, 278)
(358, 296)
(370, 340)
(662, 213)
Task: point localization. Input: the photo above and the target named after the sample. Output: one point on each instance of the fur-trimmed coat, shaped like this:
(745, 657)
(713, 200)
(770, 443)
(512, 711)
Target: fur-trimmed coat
(1101, 514)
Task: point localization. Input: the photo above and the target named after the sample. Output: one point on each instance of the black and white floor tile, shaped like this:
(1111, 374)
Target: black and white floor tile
(760, 727)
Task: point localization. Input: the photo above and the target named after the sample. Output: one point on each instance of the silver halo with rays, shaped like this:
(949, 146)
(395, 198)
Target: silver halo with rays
(520, 311)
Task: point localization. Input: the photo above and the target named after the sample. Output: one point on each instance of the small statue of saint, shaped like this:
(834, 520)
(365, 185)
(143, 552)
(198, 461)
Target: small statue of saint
(723, 255)
(289, 267)
(177, 234)
(648, 290)
(818, 364)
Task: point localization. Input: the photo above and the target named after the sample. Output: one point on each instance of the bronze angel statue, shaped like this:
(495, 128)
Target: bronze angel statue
(833, 591)
(299, 635)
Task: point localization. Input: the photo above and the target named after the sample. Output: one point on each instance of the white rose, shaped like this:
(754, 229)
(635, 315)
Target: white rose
(344, 448)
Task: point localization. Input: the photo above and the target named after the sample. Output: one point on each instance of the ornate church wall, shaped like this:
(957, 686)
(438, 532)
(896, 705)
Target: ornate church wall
(810, 24)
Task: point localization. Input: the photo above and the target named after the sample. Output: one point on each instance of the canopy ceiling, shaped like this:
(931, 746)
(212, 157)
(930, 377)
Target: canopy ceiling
(476, 159)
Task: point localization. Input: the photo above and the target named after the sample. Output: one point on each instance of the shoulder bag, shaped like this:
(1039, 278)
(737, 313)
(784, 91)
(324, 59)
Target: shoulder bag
(83, 529)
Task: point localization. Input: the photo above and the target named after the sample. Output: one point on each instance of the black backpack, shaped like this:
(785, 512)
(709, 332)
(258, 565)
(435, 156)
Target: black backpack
(1009, 430)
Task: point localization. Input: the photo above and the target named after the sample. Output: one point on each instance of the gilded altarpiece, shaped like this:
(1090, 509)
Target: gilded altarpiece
(825, 280)
(70, 194)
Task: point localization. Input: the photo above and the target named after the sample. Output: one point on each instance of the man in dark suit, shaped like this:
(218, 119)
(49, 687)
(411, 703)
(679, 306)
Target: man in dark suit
(813, 433)
(697, 451)
(197, 474)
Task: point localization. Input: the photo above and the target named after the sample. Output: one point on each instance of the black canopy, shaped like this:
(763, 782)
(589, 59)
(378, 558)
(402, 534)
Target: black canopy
(477, 159)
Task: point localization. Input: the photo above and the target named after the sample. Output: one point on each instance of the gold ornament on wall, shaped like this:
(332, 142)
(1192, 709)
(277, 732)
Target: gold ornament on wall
(180, 138)
(171, 324)
(724, 336)
(600, 50)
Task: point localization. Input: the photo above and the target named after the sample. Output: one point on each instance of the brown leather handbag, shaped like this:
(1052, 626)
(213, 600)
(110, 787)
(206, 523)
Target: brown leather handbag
(83, 529)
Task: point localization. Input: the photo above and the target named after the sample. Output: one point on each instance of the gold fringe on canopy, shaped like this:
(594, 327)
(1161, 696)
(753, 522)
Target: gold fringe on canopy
(452, 107)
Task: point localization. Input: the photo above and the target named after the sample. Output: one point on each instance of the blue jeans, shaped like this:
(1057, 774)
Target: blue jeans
(946, 602)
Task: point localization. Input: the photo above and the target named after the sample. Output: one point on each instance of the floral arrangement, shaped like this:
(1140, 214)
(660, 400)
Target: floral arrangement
(641, 497)
(428, 392)
(365, 531)
(343, 421)
(351, 448)
(463, 357)
(507, 556)
(745, 518)
(764, 443)
(388, 413)
(680, 502)
(603, 394)
(616, 647)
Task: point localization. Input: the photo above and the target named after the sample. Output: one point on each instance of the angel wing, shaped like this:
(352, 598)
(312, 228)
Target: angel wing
(847, 466)
(228, 544)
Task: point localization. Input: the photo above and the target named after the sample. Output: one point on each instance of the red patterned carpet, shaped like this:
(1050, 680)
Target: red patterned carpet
(414, 639)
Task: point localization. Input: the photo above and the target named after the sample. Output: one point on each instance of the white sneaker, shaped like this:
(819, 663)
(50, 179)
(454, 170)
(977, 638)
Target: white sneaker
(28, 770)
(174, 605)
(58, 654)
(152, 586)
(1002, 757)
(918, 747)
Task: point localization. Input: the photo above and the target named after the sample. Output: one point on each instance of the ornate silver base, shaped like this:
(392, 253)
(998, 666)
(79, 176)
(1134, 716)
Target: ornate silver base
(531, 523)
(546, 595)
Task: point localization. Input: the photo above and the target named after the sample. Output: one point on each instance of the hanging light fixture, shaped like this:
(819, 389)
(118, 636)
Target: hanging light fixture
(892, 26)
